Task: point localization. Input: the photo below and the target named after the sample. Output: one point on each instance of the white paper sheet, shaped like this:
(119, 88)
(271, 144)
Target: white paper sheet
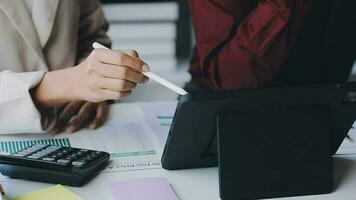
(126, 136)
(348, 146)
(159, 116)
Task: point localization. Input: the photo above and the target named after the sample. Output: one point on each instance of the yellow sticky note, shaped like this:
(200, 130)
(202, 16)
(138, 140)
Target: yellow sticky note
(57, 192)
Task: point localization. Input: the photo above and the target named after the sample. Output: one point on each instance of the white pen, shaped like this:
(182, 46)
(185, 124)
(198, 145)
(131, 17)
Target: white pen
(153, 76)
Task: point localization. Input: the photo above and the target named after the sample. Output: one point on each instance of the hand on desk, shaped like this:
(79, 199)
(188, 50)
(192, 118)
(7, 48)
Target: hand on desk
(77, 115)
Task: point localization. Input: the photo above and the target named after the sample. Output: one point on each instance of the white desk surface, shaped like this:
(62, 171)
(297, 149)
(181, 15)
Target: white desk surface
(195, 184)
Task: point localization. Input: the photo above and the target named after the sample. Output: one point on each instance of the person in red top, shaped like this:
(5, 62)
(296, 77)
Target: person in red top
(246, 43)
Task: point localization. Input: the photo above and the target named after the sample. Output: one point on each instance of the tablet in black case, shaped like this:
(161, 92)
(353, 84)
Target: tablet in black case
(192, 140)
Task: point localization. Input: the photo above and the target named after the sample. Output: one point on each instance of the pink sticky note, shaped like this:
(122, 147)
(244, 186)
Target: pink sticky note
(143, 189)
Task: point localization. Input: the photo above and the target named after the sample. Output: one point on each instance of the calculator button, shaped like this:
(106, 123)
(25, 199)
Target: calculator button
(71, 158)
(34, 157)
(78, 163)
(65, 152)
(92, 154)
(36, 147)
(80, 153)
(98, 154)
(23, 153)
(59, 155)
(48, 159)
(41, 153)
(53, 148)
(55, 157)
(18, 155)
(64, 161)
(48, 151)
(87, 160)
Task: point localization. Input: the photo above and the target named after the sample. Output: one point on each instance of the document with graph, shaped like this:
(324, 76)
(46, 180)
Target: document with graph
(126, 136)
(159, 116)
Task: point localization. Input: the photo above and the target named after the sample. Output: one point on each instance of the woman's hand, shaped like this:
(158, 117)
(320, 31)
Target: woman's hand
(80, 114)
(109, 75)
(104, 75)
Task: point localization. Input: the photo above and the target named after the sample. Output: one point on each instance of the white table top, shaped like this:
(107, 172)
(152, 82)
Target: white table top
(194, 184)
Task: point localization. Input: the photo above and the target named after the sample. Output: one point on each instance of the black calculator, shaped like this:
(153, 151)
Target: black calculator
(54, 164)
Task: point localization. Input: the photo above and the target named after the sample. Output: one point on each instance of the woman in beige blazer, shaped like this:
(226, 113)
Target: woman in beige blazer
(48, 71)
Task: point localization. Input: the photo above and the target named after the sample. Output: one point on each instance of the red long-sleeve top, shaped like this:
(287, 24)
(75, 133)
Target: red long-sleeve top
(239, 45)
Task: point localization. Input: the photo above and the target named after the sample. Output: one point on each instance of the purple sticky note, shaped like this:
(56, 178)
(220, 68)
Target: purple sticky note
(143, 189)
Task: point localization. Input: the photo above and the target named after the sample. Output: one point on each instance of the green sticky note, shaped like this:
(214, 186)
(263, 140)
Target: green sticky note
(57, 192)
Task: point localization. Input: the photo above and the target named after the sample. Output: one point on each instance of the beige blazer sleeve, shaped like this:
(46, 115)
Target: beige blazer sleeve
(59, 34)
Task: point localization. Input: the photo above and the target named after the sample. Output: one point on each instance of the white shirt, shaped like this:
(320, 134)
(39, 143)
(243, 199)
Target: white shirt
(18, 111)
(29, 4)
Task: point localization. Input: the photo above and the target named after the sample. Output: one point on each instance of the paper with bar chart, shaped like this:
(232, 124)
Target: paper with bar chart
(159, 116)
(127, 136)
(131, 144)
